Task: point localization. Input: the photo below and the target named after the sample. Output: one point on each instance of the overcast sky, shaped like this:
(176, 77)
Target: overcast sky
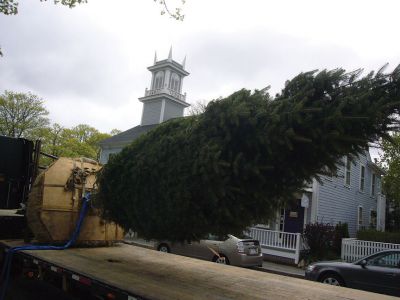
(90, 63)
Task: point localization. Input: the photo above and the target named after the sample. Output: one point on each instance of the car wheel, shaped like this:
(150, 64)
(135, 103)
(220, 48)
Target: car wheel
(222, 259)
(163, 248)
(332, 279)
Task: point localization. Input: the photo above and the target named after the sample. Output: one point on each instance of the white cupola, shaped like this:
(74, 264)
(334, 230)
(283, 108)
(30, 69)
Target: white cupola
(164, 100)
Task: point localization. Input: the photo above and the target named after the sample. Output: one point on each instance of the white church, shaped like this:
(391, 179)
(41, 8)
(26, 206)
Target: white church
(163, 101)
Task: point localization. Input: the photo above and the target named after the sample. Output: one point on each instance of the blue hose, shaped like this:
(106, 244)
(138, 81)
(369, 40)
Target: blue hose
(5, 272)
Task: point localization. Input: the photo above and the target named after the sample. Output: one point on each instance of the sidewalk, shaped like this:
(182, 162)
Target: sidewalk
(140, 243)
(280, 269)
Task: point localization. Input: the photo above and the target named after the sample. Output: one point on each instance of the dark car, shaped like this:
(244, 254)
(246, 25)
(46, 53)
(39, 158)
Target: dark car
(378, 273)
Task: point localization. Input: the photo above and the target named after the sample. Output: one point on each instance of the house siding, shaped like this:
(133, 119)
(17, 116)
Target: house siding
(151, 112)
(308, 212)
(338, 202)
(172, 110)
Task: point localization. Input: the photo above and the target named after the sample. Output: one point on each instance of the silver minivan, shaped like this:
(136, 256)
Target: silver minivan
(243, 252)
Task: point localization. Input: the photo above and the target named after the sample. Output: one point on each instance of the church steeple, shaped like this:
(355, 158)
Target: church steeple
(184, 62)
(170, 54)
(164, 100)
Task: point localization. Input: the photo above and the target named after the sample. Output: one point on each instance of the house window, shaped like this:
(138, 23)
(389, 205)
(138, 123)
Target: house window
(372, 219)
(360, 217)
(347, 171)
(159, 80)
(362, 178)
(373, 184)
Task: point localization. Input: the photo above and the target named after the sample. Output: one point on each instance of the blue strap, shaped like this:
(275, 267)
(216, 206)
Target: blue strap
(5, 272)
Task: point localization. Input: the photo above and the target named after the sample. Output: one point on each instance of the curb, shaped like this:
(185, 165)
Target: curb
(138, 244)
(294, 275)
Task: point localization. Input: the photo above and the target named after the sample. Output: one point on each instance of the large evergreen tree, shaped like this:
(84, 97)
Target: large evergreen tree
(235, 164)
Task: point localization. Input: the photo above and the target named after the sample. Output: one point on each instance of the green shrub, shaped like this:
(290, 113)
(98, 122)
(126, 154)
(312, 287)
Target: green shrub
(324, 240)
(319, 237)
(341, 231)
(379, 236)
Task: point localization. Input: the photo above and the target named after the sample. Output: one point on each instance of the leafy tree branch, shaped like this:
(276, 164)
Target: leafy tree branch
(21, 114)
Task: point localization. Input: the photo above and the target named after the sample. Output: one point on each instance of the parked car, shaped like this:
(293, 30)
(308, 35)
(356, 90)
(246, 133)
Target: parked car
(379, 273)
(243, 252)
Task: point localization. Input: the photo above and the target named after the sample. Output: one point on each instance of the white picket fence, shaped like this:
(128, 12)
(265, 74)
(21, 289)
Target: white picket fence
(353, 249)
(278, 243)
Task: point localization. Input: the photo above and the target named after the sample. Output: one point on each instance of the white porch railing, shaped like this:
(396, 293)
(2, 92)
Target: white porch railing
(278, 243)
(353, 249)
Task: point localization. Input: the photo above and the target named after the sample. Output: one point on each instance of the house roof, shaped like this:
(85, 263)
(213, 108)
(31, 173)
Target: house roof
(376, 168)
(127, 136)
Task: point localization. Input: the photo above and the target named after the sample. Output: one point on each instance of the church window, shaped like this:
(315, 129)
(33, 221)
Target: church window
(174, 82)
(159, 80)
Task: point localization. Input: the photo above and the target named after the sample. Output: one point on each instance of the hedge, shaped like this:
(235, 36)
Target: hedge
(379, 236)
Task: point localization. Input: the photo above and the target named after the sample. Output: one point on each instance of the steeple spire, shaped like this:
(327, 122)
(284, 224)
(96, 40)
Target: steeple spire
(155, 57)
(170, 54)
(184, 62)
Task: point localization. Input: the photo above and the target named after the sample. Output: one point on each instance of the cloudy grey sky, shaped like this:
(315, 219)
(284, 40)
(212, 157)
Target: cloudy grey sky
(90, 63)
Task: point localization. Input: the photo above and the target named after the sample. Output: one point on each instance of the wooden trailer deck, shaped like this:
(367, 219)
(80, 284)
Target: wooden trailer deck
(154, 275)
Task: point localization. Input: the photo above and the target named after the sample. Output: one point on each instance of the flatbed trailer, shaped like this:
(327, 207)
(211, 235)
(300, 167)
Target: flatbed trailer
(129, 272)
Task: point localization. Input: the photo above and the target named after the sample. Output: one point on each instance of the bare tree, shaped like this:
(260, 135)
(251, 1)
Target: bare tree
(198, 107)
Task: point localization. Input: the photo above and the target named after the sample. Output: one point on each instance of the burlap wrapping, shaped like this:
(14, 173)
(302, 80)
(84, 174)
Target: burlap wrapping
(55, 202)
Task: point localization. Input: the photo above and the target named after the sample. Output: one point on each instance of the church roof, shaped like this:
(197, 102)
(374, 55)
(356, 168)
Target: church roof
(169, 63)
(127, 136)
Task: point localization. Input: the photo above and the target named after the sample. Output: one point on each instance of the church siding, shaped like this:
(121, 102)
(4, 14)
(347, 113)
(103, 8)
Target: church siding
(172, 110)
(160, 103)
(151, 113)
(105, 153)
